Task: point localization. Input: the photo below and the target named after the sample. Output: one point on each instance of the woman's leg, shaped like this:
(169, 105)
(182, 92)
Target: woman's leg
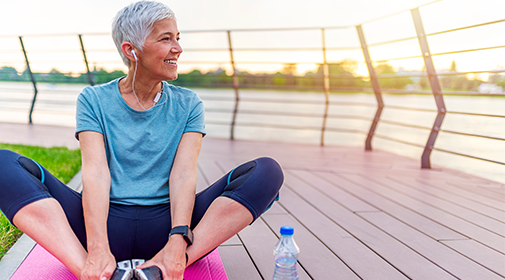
(45, 222)
(233, 202)
(224, 218)
(39, 205)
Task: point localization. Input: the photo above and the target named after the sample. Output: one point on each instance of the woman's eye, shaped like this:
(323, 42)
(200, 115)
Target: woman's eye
(178, 39)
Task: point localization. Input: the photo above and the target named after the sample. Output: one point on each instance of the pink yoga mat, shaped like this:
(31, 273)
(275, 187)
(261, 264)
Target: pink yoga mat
(40, 265)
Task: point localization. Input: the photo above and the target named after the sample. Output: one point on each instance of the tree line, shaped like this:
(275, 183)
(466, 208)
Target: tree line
(342, 77)
(99, 76)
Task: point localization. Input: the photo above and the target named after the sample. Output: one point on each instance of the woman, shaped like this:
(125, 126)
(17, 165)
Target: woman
(140, 139)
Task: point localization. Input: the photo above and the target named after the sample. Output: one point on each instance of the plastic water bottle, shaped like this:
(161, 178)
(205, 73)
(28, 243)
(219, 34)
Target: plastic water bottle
(286, 254)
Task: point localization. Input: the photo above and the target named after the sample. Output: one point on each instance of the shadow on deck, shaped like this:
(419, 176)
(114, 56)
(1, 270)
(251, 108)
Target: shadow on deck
(365, 215)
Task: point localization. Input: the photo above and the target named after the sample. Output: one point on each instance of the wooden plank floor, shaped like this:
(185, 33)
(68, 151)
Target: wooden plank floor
(365, 215)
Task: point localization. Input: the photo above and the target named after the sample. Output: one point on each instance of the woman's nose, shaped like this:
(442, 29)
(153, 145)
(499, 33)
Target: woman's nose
(177, 48)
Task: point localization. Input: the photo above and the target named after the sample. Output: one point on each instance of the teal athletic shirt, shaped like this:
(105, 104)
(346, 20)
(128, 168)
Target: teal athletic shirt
(140, 145)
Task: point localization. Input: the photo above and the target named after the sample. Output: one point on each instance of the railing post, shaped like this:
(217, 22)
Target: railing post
(435, 88)
(326, 82)
(35, 91)
(90, 78)
(375, 86)
(235, 87)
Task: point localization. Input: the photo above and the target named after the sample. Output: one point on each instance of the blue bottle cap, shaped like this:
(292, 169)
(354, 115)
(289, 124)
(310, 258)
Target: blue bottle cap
(287, 230)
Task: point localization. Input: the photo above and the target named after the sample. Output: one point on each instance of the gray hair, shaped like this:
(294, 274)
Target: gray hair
(134, 23)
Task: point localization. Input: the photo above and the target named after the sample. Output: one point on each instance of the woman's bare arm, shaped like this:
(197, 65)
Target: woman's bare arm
(95, 201)
(183, 179)
(172, 258)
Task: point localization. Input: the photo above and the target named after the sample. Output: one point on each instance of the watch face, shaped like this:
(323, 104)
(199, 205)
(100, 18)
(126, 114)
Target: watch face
(185, 231)
(190, 236)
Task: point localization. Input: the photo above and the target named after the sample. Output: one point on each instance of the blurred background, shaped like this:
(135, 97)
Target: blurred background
(289, 70)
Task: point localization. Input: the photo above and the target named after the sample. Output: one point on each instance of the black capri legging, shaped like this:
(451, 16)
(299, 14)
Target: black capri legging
(134, 231)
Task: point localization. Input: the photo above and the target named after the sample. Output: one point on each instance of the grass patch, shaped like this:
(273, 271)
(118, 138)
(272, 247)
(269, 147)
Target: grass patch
(60, 161)
(8, 235)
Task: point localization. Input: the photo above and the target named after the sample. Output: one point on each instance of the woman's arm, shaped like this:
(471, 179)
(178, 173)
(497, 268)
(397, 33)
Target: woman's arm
(96, 181)
(183, 179)
(172, 258)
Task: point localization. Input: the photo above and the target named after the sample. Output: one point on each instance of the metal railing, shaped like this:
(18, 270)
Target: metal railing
(325, 79)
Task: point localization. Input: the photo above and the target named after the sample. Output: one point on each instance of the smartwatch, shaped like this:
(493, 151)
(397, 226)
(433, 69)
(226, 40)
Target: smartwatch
(185, 231)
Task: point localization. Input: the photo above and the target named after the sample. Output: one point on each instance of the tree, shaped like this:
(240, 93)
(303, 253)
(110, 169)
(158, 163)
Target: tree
(9, 74)
(342, 75)
(391, 83)
(458, 82)
(289, 69)
(101, 75)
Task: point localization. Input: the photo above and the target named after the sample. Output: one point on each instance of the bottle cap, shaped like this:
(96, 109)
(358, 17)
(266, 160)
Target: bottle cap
(287, 230)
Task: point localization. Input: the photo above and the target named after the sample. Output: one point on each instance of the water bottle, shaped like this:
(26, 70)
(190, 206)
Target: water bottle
(286, 254)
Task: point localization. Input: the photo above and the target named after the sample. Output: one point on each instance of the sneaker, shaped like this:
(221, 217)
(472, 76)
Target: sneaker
(137, 262)
(149, 273)
(124, 271)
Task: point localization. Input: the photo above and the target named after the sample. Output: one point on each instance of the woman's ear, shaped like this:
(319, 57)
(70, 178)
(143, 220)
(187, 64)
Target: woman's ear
(129, 51)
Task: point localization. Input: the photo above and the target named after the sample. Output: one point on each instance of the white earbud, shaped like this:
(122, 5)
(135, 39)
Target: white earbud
(134, 55)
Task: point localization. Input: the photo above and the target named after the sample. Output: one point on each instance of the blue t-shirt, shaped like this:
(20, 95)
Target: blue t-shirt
(140, 145)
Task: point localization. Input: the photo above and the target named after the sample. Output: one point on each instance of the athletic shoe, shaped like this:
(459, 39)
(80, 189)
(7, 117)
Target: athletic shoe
(148, 273)
(124, 271)
(137, 262)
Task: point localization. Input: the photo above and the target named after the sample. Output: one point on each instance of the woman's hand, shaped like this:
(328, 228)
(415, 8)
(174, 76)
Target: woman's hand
(171, 259)
(99, 265)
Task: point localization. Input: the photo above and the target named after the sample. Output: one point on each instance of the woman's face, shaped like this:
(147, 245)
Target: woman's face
(161, 51)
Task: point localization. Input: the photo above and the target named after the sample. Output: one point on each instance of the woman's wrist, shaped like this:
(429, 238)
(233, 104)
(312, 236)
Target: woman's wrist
(176, 246)
(178, 240)
(97, 247)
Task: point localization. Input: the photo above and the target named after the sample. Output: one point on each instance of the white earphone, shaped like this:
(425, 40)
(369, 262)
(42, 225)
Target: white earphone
(158, 95)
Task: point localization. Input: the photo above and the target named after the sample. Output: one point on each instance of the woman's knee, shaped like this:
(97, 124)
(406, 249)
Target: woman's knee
(21, 182)
(261, 187)
(10, 159)
(272, 170)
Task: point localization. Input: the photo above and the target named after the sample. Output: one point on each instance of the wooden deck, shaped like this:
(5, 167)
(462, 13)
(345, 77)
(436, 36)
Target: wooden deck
(365, 215)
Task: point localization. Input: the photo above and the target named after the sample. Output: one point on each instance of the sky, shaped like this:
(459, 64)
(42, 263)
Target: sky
(29, 17)
(70, 16)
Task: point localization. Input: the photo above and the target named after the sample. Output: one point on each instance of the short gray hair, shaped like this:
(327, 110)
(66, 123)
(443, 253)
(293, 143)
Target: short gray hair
(134, 23)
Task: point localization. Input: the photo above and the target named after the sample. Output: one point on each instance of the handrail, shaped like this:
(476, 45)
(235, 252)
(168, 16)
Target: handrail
(405, 124)
(466, 27)
(396, 13)
(475, 114)
(398, 140)
(473, 135)
(324, 81)
(411, 108)
(392, 41)
(468, 156)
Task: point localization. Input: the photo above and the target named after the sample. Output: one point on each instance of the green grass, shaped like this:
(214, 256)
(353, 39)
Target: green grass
(60, 161)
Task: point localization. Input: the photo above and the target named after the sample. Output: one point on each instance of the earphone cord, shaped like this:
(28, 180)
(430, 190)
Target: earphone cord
(133, 86)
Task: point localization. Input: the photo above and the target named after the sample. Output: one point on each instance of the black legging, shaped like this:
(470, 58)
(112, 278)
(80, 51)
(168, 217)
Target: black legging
(134, 231)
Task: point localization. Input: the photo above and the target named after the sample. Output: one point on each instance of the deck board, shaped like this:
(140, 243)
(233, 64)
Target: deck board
(431, 249)
(456, 223)
(353, 252)
(241, 267)
(398, 255)
(365, 215)
(318, 259)
(385, 204)
(477, 194)
(472, 202)
(479, 253)
(260, 241)
(462, 212)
